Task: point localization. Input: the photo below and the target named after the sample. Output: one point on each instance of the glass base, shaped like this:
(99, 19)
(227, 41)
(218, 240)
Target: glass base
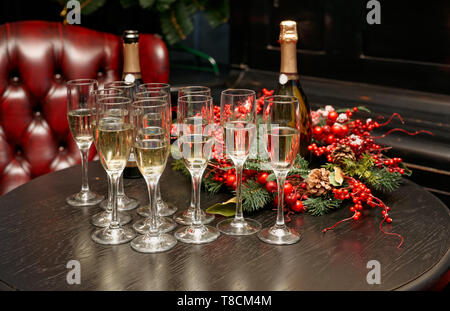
(164, 225)
(153, 244)
(242, 227)
(280, 235)
(109, 236)
(164, 209)
(103, 219)
(87, 198)
(186, 217)
(124, 203)
(197, 235)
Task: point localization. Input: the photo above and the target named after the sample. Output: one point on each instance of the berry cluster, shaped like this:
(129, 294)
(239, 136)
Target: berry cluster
(390, 164)
(292, 194)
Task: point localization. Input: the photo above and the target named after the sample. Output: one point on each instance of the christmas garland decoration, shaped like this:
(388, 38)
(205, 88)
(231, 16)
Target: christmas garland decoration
(355, 166)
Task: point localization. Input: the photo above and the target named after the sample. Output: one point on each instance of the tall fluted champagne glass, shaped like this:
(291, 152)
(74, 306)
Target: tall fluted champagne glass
(195, 147)
(151, 142)
(238, 119)
(80, 104)
(281, 117)
(146, 90)
(156, 118)
(103, 219)
(185, 114)
(125, 203)
(114, 140)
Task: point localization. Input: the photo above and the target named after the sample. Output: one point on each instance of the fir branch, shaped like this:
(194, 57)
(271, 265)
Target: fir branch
(211, 186)
(300, 167)
(254, 196)
(178, 165)
(381, 179)
(322, 205)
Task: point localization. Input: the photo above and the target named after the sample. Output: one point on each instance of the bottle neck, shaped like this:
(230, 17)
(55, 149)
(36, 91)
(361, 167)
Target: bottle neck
(289, 59)
(131, 63)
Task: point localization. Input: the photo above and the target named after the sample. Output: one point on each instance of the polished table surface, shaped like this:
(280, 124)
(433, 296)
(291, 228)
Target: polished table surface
(40, 233)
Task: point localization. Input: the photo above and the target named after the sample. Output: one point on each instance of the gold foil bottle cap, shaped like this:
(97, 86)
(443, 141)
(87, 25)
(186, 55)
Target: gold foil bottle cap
(288, 31)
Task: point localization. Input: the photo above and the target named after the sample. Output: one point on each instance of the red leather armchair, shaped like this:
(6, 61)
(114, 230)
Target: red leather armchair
(36, 59)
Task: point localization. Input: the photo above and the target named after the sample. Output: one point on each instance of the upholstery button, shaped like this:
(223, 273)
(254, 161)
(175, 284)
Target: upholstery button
(15, 80)
(37, 113)
(58, 76)
(61, 148)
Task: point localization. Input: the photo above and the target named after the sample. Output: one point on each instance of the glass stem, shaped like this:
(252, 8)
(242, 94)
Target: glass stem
(239, 215)
(120, 191)
(84, 171)
(110, 194)
(115, 217)
(152, 196)
(281, 178)
(192, 205)
(197, 182)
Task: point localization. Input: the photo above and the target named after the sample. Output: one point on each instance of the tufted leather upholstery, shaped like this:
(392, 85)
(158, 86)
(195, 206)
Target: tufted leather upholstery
(36, 58)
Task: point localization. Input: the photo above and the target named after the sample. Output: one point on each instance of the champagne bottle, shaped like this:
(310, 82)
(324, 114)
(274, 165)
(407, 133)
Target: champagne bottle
(131, 74)
(289, 83)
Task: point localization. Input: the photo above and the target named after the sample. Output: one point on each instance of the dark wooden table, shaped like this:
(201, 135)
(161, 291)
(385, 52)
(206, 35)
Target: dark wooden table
(40, 233)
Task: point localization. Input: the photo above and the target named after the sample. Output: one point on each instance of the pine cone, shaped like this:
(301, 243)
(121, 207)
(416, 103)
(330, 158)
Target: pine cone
(342, 152)
(318, 182)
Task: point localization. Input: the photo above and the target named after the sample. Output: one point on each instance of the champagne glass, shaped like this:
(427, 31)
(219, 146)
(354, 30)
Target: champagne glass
(151, 142)
(150, 90)
(185, 217)
(125, 203)
(103, 219)
(114, 140)
(195, 146)
(281, 116)
(155, 114)
(238, 119)
(80, 102)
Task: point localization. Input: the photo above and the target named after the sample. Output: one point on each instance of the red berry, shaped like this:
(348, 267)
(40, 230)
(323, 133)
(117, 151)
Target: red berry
(336, 129)
(388, 220)
(303, 185)
(332, 116)
(318, 131)
(291, 198)
(330, 139)
(230, 180)
(297, 206)
(355, 109)
(288, 188)
(326, 129)
(271, 186)
(262, 178)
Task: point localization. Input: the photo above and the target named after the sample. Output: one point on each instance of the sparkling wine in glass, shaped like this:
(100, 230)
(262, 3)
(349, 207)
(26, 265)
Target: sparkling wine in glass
(153, 112)
(151, 143)
(80, 104)
(238, 120)
(114, 145)
(146, 90)
(103, 219)
(195, 150)
(187, 119)
(125, 203)
(281, 116)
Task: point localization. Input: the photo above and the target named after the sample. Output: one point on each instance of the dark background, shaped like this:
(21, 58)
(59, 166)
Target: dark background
(409, 49)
